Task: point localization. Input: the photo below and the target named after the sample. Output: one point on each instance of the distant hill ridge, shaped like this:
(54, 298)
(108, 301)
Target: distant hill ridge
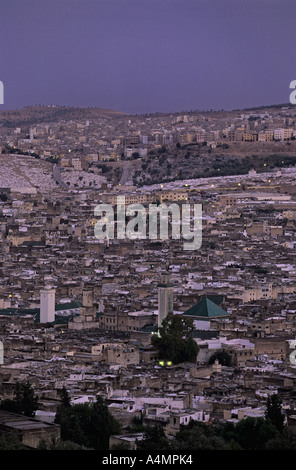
(31, 115)
(50, 113)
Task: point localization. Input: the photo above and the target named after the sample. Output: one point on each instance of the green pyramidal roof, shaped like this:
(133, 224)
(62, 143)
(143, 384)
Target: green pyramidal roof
(205, 308)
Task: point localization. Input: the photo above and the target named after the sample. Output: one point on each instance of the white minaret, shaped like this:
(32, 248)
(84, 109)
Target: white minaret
(47, 305)
(165, 297)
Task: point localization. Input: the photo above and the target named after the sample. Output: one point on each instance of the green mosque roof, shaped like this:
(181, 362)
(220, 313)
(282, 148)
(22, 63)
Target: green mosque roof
(206, 309)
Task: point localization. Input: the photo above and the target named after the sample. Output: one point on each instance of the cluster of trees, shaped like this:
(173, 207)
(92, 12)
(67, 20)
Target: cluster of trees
(9, 149)
(220, 165)
(24, 401)
(88, 425)
(223, 357)
(105, 168)
(260, 270)
(10, 442)
(174, 342)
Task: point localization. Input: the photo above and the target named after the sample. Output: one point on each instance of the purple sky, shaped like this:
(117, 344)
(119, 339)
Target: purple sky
(143, 56)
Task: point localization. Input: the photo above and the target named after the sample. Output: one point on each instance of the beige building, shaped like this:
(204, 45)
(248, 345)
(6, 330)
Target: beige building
(260, 292)
(183, 418)
(172, 195)
(65, 162)
(265, 229)
(87, 317)
(250, 136)
(269, 326)
(266, 136)
(275, 347)
(76, 163)
(127, 321)
(114, 353)
(240, 350)
(28, 430)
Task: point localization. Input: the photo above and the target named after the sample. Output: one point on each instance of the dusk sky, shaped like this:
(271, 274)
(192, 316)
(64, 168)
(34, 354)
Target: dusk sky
(142, 56)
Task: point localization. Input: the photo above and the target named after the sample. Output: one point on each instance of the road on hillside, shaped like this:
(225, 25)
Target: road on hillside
(57, 176)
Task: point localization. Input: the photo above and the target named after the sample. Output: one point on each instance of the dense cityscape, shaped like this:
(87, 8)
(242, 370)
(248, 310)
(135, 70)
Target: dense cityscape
(147, 231)
(176, 349)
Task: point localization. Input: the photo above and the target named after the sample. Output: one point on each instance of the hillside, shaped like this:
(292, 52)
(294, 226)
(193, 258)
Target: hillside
(38, 114)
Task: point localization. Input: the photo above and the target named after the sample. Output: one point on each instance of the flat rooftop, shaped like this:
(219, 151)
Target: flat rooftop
(20, 422)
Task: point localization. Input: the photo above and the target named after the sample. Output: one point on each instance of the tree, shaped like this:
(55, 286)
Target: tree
(254, 433)
(72, 420)
(103, 424)
(137, 423)
(174, 342)
(199, 436)
(89, 425)
(284, 441)
(120, 446)
(191, 349)
(65, 398)
(154, 439)
(274, 413)
(59, 445)
(10, 442)
(223, 357)
(24, 401)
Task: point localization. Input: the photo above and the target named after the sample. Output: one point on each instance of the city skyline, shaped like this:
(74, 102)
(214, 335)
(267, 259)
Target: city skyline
(147, 227)
(146, 57)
